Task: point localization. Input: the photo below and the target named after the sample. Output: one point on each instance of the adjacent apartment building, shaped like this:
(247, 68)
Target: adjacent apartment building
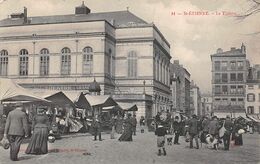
(195, 99)
(124, 53)
(252, 103)
(180, 88)
(229, 73)
(206, 104)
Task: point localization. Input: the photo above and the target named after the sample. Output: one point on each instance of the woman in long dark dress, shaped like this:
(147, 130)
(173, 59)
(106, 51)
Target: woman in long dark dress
(39, 141)
(128, 126)
(235, 135)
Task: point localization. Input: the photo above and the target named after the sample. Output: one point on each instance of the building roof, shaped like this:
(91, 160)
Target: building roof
(117, 18)
(233, 52)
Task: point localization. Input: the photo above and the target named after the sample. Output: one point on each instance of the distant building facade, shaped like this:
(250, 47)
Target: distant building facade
(180, 88)
(195, 99)
(229, 72)
(127, 56)
(252, 103)
(206, 104)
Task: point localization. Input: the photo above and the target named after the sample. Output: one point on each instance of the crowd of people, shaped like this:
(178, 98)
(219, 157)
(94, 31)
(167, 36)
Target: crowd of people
(209, 131)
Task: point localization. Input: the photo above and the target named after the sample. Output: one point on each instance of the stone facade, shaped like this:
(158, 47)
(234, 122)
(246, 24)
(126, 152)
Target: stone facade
(252, 103)
(229, 72)
(180, 88)
(121, 51)
(206, 101)
(195, 100)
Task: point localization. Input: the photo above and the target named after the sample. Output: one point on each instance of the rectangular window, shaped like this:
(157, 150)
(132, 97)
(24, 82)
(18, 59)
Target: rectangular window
(250, 110)
(217, 65)
(232, 65)
(258, 75)
(233, 99)
(132, 64)
(224, 77)
(240, 65)
(233, 89)
(224, 90)
(240, 89)
(240, 99)
(217, 77)
(250, 97)
(217, 99)
(250, 86)
(240, 77)
(217, 89)
(224, 65)
(232, 77)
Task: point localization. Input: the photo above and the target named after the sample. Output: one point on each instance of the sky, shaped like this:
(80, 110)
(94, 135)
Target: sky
(193, 38)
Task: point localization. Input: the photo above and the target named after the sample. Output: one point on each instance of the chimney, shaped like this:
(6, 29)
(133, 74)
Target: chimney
(243, 49)
(219, 50)
(25, 15)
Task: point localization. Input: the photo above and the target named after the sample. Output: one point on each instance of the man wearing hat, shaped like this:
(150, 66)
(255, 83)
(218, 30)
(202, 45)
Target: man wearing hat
(193, 131)
(229, 127)
(16, 128)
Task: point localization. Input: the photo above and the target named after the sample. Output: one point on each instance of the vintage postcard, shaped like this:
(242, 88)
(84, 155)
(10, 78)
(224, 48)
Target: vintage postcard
(130, 81)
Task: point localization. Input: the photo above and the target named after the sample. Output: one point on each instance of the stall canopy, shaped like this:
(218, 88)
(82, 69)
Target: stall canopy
(82, 102)
(128, 106)
(100, 100)
(61, 99)
(254, 117)
(10, 91)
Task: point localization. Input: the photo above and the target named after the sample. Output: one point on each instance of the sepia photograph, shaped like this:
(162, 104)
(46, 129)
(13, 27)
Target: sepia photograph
(130, 81)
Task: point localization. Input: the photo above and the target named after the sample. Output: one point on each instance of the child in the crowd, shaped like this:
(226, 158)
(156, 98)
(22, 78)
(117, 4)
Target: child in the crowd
(161, 132)
(169, 137)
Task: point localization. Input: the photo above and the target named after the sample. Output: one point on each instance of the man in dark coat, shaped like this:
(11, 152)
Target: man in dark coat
(229, 127)
(134, 124)
(177, 130)
(96, 125)
(16, 128)
(193, 131)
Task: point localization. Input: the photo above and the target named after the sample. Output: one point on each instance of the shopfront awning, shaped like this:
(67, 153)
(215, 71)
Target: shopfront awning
(10, 92)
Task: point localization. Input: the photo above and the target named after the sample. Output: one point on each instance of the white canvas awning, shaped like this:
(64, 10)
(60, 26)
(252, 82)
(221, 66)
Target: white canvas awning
(128, 106)
(10, 91)
(254, 117)
(100, 100)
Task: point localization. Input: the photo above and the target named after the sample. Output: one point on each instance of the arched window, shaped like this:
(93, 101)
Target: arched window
(132, 64)
(23, 64)
(65, 61)
(3, 62)
(250, 97)
(87, 60)
(44, 62)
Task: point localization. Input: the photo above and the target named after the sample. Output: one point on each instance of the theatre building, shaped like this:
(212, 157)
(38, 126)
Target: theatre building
(127, 56)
